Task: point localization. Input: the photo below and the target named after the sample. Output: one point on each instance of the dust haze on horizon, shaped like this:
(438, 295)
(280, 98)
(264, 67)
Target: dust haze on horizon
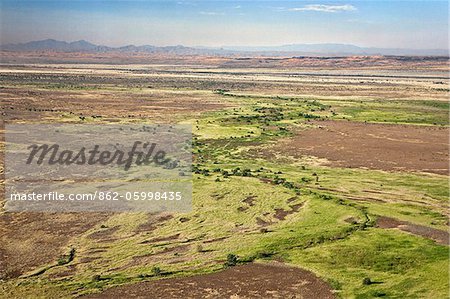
(396, 24)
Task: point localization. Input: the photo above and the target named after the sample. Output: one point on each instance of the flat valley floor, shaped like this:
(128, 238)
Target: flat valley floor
(312, 177)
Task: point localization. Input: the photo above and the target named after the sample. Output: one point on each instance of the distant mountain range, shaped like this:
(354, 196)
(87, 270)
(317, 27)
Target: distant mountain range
(84, 46)
(285, 50)
(344, 49)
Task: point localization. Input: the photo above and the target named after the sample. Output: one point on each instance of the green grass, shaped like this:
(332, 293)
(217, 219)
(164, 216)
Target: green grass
(416, 112)
(319, 236)
(401, 265)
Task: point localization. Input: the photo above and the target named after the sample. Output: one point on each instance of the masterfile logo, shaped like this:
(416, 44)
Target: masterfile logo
(66, 167)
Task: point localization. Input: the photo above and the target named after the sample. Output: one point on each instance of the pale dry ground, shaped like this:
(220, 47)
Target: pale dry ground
(172, 92)
(380, 63)
(400, 83)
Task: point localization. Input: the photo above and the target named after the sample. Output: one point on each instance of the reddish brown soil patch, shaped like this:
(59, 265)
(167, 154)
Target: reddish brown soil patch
(104, 234)
(289, 200)
(351, 220)
(161, 239)
(440, 236)
(88, 259)
(70, 271)
(98, 250)
(170, 255)
(265, 180)
(153, 257)
(296, 207)
(261, 222)
(179, 249)
(281, 214)
(215, 240)
(25, 104)
(374, 146)
(29, 240)
(250, 200)
(246, 281)
(153, 222)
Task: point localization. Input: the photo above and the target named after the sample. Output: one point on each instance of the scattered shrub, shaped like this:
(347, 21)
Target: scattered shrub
(65, 259)
(156, 271)
(367, 281)
(232, 260)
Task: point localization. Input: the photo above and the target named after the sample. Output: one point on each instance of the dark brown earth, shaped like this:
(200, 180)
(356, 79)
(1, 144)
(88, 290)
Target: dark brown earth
(31, 240)
(440, 236)
(280, 214)
(245, 281)
(262, 222)
(47, 96)
(373, 146)
(24, 104)
(250, 200)
(153, 222)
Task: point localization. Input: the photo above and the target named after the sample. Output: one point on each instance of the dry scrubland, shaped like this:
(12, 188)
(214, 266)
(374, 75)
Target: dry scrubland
(314, 177)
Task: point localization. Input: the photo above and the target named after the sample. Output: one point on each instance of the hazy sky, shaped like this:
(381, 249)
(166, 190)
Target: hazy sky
(404, 24)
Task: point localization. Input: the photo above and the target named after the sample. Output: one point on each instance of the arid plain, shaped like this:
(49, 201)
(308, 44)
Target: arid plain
(320, 177)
